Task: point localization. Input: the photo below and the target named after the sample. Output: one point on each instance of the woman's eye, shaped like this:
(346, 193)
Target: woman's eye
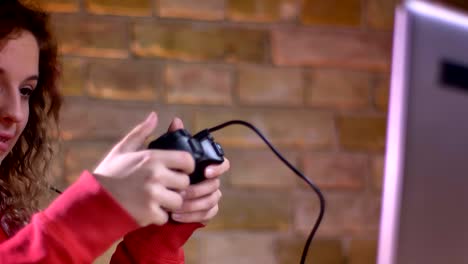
(26, 91)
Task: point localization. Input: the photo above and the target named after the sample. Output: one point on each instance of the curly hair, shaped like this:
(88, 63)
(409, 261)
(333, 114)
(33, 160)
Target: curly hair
(23, 171)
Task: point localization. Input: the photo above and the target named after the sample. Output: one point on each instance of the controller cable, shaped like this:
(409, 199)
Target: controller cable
(315, 188)
(52, 188)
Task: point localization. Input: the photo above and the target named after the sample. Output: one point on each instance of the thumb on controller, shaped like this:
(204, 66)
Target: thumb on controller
(176, 124)
(137, 136)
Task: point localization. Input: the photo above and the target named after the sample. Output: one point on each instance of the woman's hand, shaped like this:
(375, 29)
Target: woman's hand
(200, 201)
(146, 183)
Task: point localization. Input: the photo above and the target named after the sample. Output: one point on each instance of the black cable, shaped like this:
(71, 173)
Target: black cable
(52, 188)
(315, 188)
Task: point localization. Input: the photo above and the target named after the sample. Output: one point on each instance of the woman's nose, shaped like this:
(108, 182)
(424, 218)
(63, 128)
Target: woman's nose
(11, 107)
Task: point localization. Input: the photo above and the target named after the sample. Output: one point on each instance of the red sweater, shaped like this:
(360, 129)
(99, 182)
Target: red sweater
(83, 222)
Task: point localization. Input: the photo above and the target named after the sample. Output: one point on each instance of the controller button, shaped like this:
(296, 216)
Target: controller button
(219, 150)
(195, 146)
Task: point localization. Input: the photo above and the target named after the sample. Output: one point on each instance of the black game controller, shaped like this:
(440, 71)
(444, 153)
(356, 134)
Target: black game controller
(205, 151)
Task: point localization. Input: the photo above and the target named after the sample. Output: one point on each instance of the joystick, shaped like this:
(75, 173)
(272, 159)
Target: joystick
(205, 151)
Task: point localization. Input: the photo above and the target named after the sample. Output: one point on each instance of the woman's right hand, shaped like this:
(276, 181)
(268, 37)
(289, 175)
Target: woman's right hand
(145, 182)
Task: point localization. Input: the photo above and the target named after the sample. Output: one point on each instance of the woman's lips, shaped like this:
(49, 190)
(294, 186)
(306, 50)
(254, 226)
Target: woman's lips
(5, 140)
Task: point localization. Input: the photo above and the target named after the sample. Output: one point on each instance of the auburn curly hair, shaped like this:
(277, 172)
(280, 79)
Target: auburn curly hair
(23, 171)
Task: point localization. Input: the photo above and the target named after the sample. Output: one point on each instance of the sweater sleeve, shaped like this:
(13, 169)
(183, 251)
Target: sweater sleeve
(76, 228)
(155, 244)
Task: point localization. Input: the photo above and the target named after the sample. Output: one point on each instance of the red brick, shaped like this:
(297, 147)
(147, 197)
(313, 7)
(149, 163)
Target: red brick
(332, 12)
(200, 10)
(59, 5)
(378, 163)
(198, 84)
(362, 132)
(262, 10)
(56, 169)
(295, 128)
(371, 215)
(192, 248)
(289, 250)
(259, 210)
(380, 13)
(73, 75)
(122, 80)
(347, 214)
(82, 156)
(337, 170)
(120, 7)
(235, 248)
(339, 89)
(260, 85)
(315, 47)
(381, 92)
(98, 120)
(260, 169)
(195, 42)
(363, 252)
(98, 37)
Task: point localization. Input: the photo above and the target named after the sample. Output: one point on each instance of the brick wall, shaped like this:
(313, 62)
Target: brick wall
(313, 75)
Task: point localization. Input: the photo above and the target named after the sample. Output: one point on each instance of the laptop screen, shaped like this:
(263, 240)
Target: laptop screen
(425, 198)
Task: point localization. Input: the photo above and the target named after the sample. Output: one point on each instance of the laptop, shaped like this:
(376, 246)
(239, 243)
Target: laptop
(424, 218)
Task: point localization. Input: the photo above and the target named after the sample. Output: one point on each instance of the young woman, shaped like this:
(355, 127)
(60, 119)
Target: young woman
(141, 195)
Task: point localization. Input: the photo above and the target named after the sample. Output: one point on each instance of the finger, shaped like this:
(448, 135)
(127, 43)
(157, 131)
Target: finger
(200, 216)
(172, 159)
(166, 199)
(171, 179)
(175, 125)
(158, 215)
(201, 189)
(213, 171)
(135, 138)
(202, 204)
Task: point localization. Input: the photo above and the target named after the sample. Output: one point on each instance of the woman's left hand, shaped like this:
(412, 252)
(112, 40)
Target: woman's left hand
(200, 201)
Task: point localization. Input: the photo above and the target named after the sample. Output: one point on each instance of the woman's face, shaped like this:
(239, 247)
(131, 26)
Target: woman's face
(19, 72)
